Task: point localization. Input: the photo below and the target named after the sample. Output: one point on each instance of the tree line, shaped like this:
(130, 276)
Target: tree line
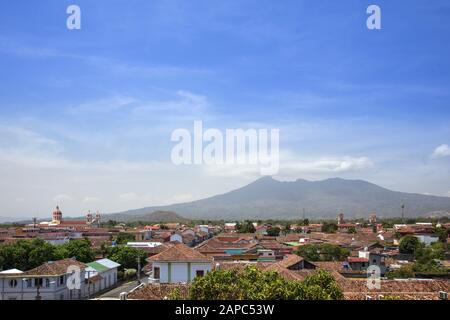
(29, 254)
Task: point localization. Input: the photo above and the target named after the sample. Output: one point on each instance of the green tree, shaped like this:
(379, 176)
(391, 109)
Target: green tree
(127, 257)
(404, 272)
(442, 233)
(246, 227)
(352, 230)
(409, 244)
(286, 228)
(81, 250)
(329, 227)
(40, 253)
(26, 254)
(327, 283)
(273, 232)
(323, 252)
(124, 238)
(254, 284)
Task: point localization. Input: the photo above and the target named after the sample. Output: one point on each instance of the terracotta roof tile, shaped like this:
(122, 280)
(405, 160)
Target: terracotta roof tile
(55, 268)
(180, 252)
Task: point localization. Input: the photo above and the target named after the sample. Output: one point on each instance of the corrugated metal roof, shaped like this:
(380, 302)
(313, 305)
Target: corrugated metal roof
(108, 263)
(97, 266)
(12, 271)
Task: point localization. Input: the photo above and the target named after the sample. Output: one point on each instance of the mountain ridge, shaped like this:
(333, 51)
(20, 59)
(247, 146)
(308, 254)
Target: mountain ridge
(269, 198)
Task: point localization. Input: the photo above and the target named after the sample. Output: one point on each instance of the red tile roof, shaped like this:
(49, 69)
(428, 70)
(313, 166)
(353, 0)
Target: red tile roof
(55, 268)
(180, 252)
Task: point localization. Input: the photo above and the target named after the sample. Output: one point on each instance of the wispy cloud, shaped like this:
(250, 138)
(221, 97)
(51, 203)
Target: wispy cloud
(62, 198)
(104, 105)
(130, 196)
(441, 151)
(91, 200)
(294, 166)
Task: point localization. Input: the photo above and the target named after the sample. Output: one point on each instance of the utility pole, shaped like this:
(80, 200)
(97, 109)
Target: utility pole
(38, 286)
(403, 212)
(89, 284)
(139, 269)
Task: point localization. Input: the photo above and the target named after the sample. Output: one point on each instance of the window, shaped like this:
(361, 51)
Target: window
(38, 282)
(13, 283)
(61, 280)
(199, 273)
(47, 283)
(156, 273)
(29, 283)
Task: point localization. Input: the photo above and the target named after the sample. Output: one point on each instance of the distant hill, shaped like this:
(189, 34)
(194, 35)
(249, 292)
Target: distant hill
(156, 216)
(268, 198)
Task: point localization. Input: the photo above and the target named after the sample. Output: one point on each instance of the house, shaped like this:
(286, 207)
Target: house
(203, 228)
(179, 264)
(358, 263)
(189, 239)
(230, 227)
(265, 255)
(176, 237)
(146, 246)
(261, 230)
(50, 281)
(366, 259)
(101, 275)
(427, 239)
(346, 227)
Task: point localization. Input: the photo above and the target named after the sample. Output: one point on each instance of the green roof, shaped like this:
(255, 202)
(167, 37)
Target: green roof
(294, 244)
(97, 266)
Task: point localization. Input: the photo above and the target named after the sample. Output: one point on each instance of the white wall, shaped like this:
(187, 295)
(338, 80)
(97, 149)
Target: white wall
(179, 271)
(53, 292)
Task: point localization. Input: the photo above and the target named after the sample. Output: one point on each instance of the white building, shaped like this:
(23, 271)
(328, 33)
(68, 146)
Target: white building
(427, 239)
(100, 275)
(50, 281)
(143, 245)
(203, 228)
(179, 264)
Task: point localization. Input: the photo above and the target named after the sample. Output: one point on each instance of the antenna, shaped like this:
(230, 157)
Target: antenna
(403, 212)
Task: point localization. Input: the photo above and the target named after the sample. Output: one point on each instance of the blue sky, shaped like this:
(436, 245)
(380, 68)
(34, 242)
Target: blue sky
(86, 115)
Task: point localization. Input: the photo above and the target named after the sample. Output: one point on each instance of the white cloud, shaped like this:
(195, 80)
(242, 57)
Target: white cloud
(182, 103)
(330, 165)
(91, 199)
(290, 166)
(62, 198)
(104, 105)
(441, 151)
(131, 196)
